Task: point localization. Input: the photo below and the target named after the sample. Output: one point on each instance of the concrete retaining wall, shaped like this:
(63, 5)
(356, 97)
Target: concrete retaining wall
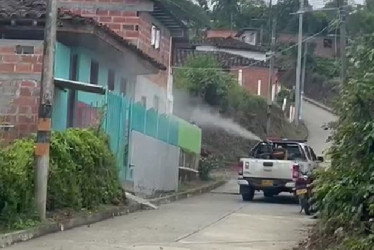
(155, 165)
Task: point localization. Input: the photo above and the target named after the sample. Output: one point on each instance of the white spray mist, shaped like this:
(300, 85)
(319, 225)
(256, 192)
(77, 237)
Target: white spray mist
(210, 119)
(194, 110)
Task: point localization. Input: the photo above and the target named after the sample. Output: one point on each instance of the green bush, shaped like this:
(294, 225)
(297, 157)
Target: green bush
(17, 183)
(345, 191)
(82, 175)
(207, 164)
(202, 77)
(327, 67)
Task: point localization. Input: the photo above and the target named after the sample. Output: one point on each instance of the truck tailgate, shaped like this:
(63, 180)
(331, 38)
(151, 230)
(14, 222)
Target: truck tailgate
(272, 169)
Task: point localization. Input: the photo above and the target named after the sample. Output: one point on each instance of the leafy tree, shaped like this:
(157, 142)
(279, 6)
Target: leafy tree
(203, 4)
(252, 13)
(361, 20)
(225, 13)
(285, 21)
(345, 191)
(202, 77)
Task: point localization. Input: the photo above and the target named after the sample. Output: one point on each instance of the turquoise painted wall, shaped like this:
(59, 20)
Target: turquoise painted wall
(85, 56)
(62, 70)
(166, 128)
(62, 61)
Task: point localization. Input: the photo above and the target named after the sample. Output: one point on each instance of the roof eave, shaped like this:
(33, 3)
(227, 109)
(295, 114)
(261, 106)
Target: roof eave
(162, 14)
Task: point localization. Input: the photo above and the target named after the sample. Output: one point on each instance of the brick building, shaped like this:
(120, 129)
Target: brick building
(253, 75)
(19, 92)
(222, 33)
(139, 68)
(148, 25)
(243, 57)
(324, 46)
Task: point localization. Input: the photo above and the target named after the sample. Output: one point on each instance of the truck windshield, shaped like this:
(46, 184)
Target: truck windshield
(295, 152)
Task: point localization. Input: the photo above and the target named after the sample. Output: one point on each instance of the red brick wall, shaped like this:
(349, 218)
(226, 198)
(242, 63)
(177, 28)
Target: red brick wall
(220, 33)
(10, 62)
(19, 91)
(133, 26)
(319, 50)
(163, 53)
(86, 115)
(252, 75)
(124, 23)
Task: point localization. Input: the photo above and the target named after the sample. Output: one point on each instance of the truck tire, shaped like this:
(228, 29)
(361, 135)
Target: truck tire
(247, 193)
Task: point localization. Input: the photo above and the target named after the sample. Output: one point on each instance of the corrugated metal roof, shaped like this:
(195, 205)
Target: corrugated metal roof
(227, 60)
(229, 43)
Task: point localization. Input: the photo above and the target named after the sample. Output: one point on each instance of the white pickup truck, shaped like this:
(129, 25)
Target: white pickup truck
(274, 165)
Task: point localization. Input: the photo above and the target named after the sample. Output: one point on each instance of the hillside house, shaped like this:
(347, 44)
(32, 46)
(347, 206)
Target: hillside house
(232, 46)
(151, 28)
(97, 69)
(324, 46)
(239, 52)
(253, 75)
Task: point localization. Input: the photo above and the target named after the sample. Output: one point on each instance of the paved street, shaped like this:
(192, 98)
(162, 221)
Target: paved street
(314, 118)
(217, 220)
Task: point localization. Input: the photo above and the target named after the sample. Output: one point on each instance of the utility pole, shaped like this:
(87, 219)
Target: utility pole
(303, 77)
(342, 9)
(271, 71)
(298, 68)
(45, 109)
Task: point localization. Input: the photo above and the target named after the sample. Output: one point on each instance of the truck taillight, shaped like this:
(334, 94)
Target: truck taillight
(241, 167)
(295, 171)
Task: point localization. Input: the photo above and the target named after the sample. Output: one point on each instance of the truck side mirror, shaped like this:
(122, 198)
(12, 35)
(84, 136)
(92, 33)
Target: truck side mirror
(320, 159)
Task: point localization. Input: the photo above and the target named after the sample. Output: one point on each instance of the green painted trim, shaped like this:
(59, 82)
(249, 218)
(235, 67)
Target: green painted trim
(189, 137)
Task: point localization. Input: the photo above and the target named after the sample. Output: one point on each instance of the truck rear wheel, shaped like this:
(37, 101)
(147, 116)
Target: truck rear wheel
(247, 193)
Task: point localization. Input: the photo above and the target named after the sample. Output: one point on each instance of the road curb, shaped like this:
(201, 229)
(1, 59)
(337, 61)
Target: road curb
(9, 239)
(187, 194)
(54, 227)
(320, 105)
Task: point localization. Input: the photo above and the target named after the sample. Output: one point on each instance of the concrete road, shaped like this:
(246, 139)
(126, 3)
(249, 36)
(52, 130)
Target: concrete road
(217, 220)
(315, 117)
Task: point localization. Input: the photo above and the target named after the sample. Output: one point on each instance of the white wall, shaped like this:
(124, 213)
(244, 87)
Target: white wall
(249, 37)
(144, 87)
(261, 56)
(155, 165)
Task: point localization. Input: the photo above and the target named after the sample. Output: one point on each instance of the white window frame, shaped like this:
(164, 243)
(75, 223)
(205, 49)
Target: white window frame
(259, 83)
(158, 39)
(240, 77)
(155, 37)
